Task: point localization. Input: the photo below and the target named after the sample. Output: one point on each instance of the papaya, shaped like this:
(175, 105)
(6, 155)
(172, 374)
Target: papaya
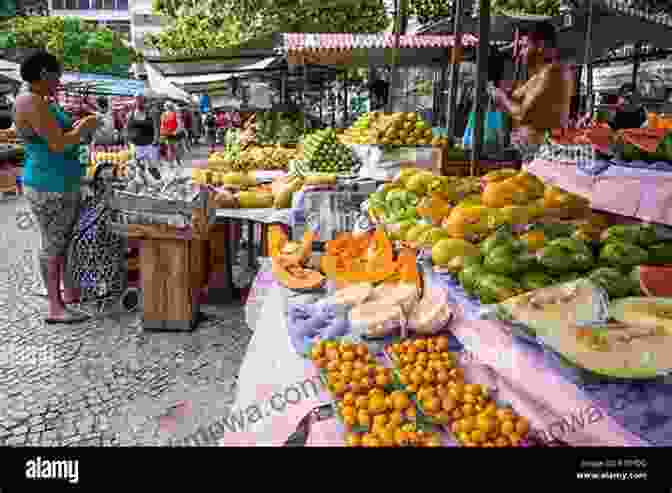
(293, 276)
(298, 253)
(468, 223)
(408, 267)
(277, 238)
(503, 193)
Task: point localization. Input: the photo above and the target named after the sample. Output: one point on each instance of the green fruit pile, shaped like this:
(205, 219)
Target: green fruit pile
(324, 153)
(505, 268)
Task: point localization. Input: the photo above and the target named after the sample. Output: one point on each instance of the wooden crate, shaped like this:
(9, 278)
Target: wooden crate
(173, 273)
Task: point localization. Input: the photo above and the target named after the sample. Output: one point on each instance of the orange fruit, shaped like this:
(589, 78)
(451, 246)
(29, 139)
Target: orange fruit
(370, 441)
(353, 440)
(456, 428)
(387, 437)
(412, 388)
(347, 366)
(473, 389)
(457, 414)
(380, 420)
(505, 414)
(448, 404)
(404, 379)
(349, 399)
(348, 356)
(376, 391)
(507, 427)
(383, 380)
(363, 419)
(442, 343)
(401, 438)
(361, 350)
(365, 384)
(350, 421)
(469, 398)
(411, 412)
(333, 365)
(316, 352)
(321, 363)
(348, 411)
(362, 402)
(431, 405)
(417, 378)
(400, 401)
(433, 441)
(486, 424)
(377, 404)
(502, 442)
(522, 426)
(339, 388)
(333, 354)
(515, 439)
(396, 418)
(477, 436)
(442, 376)
(428, 376)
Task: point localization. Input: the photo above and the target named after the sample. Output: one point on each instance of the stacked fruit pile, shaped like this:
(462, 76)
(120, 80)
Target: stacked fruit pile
(429, 372)
(375, 413)
(322, 152)
(506, 265)
(253, 158)
(273, 127)
(397, 129)
(119, 160)
(240, 189)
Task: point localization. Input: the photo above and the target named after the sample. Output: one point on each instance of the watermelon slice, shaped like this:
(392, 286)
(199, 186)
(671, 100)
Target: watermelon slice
(656, 280)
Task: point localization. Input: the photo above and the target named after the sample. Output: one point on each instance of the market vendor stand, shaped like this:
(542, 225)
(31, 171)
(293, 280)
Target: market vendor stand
(174, 260)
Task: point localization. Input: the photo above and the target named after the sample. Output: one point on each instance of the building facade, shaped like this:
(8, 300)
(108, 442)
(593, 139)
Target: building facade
(113, 14)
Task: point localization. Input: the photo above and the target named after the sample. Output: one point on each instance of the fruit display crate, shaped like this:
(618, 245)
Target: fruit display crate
(143, 217)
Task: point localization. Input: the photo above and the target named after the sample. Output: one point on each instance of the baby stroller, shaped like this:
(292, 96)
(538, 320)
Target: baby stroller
(96, 257)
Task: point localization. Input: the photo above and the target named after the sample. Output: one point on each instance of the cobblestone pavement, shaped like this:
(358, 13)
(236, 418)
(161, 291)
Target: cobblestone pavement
(102, 382)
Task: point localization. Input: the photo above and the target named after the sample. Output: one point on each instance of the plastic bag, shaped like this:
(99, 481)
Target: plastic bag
(494, 129)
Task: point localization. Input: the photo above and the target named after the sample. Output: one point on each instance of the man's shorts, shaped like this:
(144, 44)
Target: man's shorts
(149, 153)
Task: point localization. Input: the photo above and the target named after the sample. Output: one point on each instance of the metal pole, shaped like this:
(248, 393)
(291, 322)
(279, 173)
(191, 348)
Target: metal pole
(346, 113)
(481, 81)
(588, 59)
(394, 75)
(304, 97)
(635, 63)
(454, 71)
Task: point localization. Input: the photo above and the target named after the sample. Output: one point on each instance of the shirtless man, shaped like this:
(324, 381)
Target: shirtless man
(543, 102)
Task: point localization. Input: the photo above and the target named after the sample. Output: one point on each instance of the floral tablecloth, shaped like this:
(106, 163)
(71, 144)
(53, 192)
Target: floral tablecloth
(642, 193)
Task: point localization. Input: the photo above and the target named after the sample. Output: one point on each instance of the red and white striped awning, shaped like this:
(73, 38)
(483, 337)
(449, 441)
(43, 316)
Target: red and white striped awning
(297, 42)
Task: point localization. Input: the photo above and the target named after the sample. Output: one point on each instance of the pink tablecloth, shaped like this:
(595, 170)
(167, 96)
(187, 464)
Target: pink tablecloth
(644, 197)
(271, 366)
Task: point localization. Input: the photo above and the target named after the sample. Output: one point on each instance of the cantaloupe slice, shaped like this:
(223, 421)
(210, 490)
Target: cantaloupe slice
(293, 276)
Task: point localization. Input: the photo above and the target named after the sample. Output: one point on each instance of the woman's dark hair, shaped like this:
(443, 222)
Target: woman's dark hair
(36, 63)
(542, 31)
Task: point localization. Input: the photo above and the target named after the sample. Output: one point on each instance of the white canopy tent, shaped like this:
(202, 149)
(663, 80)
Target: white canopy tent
(163, 87)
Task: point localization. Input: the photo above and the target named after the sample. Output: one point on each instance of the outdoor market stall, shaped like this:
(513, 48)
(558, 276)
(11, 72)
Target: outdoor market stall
(557, 394)
(625, 172)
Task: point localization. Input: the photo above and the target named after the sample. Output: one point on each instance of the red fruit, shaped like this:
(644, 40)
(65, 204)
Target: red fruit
(655, 280)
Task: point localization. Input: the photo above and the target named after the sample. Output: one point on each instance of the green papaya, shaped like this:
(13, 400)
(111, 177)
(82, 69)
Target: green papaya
(469, 276)
(615, 283)
(635, 283)
(660, 253)
(535, 280)
(566, 255)
(641, 235)
(509, 260)
(503, 236)
(623, 255)
(493, 288)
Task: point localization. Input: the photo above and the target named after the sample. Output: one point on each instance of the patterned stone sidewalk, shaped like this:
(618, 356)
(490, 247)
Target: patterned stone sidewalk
(104, 382)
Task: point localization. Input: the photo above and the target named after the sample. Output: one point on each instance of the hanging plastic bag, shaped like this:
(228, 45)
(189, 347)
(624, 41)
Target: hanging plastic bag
(494, 132)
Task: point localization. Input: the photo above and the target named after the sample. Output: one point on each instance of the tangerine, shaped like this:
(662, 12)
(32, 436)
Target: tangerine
(396, 418)
(363, 419)
(377, 404)
(400, 401)
(353, 440)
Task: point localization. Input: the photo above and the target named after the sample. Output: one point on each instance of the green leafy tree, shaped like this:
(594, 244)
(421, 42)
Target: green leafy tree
(227, 22)
(80, 46)
(196, 34)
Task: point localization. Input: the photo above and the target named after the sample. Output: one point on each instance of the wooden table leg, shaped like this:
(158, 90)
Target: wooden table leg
(263, 250)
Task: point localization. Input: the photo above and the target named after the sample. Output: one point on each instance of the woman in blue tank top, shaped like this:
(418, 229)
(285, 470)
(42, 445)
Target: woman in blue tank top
(52, 174)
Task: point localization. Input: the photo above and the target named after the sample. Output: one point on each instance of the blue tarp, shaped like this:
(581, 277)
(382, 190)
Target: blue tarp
(106, 84)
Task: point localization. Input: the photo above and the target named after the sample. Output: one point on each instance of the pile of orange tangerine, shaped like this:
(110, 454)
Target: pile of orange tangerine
(429, 371)
(361, 386)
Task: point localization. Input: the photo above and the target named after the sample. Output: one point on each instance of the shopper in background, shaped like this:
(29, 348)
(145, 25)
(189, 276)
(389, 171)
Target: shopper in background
(106, 134)
(543, 102)
(170, 133)
(186, 132)
(142, 132)
(630, 112)
(52, 175)
(197, 126)
(211, 131)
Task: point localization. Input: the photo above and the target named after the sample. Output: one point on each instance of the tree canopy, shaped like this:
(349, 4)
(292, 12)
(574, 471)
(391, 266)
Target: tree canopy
(211, 24)
(80, 46)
